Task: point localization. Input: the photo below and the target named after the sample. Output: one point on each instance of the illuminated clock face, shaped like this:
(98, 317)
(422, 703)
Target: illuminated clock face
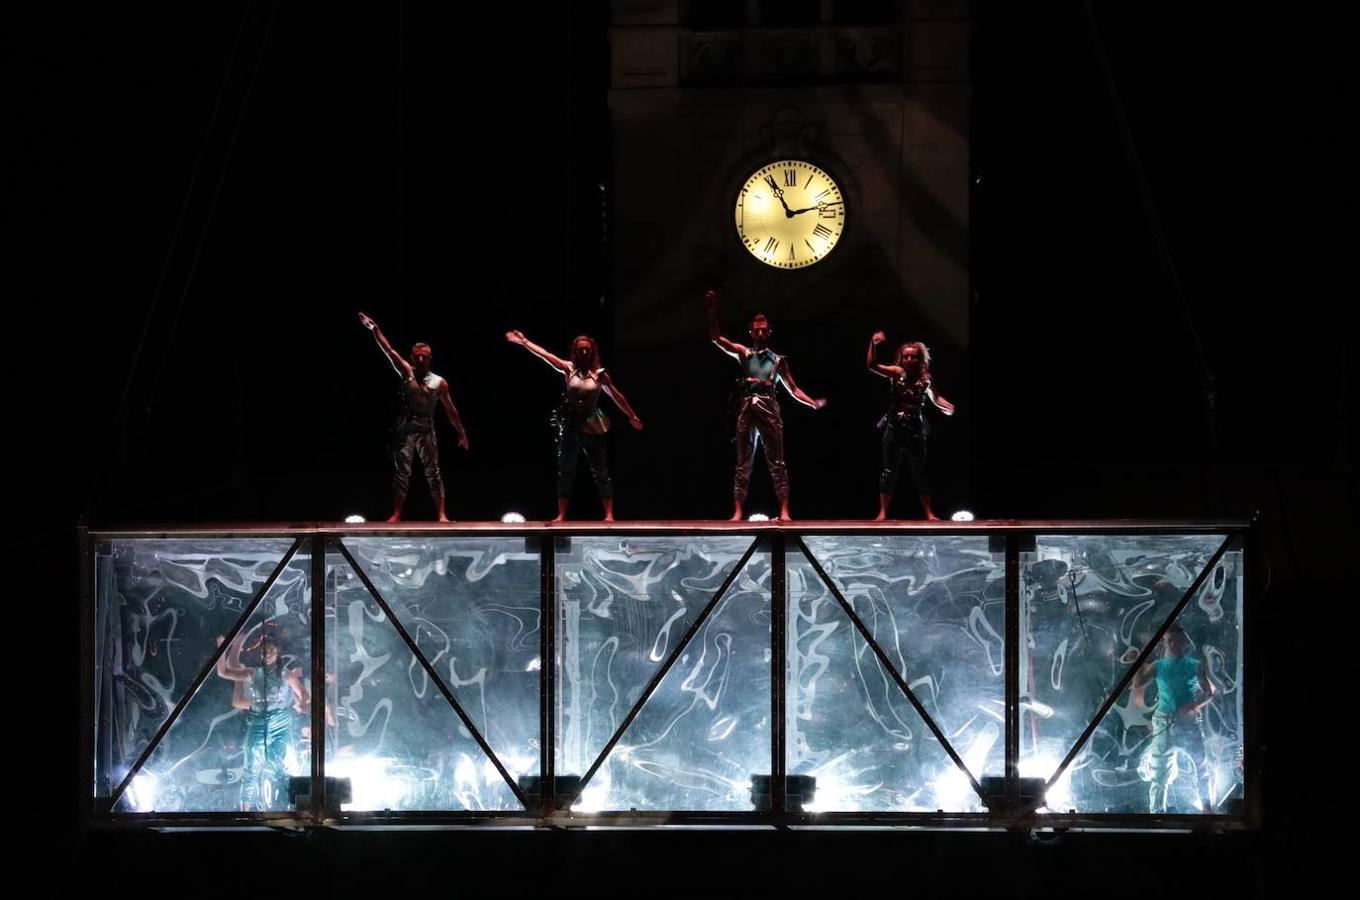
(790, 214)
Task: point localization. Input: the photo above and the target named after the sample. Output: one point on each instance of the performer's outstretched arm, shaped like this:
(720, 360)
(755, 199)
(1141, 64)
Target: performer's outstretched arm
(620, 401)
(229, 663)
(871, 359)
(557, 362)
(402, 366)
(731, 348)
(1141, 679)
(785, 376)
(446, 400)
(941, 404)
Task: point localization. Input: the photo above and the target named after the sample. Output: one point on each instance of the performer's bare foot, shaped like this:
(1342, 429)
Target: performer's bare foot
(930, 513)
(439, 511)
(609, 509)
(931, 517)
(561, 509)
(736, 512)
(883, 501)
(559, 519)
(784, 511)
(881, 517)
(395, 517)
(444, 520)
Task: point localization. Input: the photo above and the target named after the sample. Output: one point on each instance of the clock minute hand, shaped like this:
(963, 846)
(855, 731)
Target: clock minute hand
(769, 179)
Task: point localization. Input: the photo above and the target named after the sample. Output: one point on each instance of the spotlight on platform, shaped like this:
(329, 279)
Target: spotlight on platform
(1029, 791)
(758, 517)
(355, 520)
(962, 515)
(563, 786)
(338, 791)
(798, 790)
(512, 518)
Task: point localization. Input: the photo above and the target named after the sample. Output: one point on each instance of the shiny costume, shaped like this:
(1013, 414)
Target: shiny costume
(759, 410)
(416, 436)
(268, 739)
(1177, 681)
(581, 426)
(904, 434)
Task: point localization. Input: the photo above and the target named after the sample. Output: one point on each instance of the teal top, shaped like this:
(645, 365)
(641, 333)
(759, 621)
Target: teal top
(1177, 682)
(270, 691)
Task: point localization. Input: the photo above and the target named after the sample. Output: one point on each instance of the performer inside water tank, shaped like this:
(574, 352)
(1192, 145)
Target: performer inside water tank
(758, 416)
(905, 426)
(415, 434)
(275, 692)
(1184, 688)
(579, 423)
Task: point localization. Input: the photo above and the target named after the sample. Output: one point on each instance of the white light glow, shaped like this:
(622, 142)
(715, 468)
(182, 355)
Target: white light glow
(841, 786)
(758, 517)
(962, 515)
(953, 791)
(370, 786)
(1058, 798)
(142, 792)
(513, 518)
(355, 519)
(594, 796)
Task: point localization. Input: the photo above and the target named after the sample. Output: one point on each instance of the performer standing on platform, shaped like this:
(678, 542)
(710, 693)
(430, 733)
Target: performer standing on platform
(421, 390)
(758, 417)
(1184, 688)
(905, 427)
(580, 423)
(274, 693)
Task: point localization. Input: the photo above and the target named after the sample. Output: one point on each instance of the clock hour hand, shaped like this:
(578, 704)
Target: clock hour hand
(769, 179)
(796, 212)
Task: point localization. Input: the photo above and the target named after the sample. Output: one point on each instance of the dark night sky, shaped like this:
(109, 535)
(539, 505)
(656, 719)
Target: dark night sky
(375, 169)
(380, 166)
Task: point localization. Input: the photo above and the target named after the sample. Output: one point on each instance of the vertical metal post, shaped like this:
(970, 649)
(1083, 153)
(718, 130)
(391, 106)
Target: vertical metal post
(1254, 728)
(1013, 639)
(87, 684)
(778, 673)
(547, 674)
(318, 547)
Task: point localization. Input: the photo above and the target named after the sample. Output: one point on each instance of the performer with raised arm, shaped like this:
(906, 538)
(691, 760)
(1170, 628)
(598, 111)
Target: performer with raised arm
(905, 426)
(758, 416)
(270, 693)
(580, 423)
(421, 391)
